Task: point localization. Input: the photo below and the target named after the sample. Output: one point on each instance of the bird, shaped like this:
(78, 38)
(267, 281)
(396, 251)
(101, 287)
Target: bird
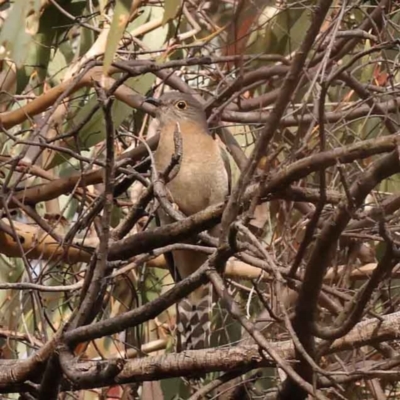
(203, 179)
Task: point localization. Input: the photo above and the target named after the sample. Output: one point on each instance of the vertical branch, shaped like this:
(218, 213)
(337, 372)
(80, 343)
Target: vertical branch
(313, 223)
(287, 89)
(93, 298)
(306, 305)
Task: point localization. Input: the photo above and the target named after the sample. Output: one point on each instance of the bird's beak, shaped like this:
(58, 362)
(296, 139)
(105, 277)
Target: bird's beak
(153, 101)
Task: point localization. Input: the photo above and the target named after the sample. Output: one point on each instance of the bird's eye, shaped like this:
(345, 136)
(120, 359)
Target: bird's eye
(182, 105)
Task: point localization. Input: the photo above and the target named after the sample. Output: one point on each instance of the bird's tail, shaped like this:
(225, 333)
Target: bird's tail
(194, 319)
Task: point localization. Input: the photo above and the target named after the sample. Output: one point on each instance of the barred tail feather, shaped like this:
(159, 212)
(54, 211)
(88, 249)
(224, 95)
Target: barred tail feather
(194, 320)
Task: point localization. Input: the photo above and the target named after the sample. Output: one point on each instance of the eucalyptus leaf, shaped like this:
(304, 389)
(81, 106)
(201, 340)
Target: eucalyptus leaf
(140, 20)
(171, 7)
(94, 131)
(117, 28)
(18, 30)
(155, 39)
(52, 29)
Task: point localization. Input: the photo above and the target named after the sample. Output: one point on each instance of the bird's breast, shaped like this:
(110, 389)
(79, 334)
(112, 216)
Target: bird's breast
(202, 179)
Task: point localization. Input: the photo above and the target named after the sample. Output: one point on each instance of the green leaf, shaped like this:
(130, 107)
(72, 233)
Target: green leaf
(140, 20)
(86, 41)
(18, 30)
(174, 388)
(118, 25)
(155, 39)
(171, 7)
(94, 131)
(52, 28)
(58, 64)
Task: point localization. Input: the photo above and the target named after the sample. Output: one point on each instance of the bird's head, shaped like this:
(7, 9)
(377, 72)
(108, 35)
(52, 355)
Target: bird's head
(178, 107)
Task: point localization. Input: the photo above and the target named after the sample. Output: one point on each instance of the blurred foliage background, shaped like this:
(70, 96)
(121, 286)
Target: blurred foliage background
(53, 128)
